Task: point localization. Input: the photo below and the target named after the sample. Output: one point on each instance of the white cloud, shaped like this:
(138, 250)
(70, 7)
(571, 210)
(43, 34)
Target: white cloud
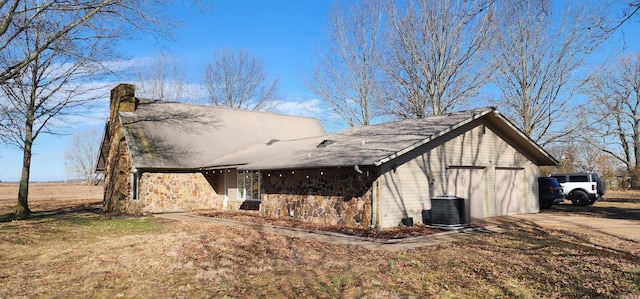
(313, 108)
(310, 108)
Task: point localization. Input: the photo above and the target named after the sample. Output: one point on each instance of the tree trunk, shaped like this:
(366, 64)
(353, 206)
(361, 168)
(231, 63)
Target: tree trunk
(634, 178)
(22, 209)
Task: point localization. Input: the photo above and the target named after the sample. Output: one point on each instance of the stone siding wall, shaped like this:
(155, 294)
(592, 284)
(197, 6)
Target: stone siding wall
(331, 195)
(179, 192)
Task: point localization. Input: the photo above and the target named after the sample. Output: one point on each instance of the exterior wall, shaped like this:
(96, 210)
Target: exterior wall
(405, 193)
(179, 192)
(476, 148)
(331, 195)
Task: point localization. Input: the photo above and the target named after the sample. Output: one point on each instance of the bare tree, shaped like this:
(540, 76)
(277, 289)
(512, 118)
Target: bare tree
(348, 77)
(162, 79)
(436, 55)
(88, 19)
(81, 157)
(567, 156)
(615, 91)
(50, 52)
(630, 9)
(537, 55)
(238, 80)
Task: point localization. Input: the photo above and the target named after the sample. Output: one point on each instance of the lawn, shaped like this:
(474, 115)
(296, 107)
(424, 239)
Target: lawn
(69, 250)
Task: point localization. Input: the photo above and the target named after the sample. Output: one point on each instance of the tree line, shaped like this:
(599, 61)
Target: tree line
(385, 60)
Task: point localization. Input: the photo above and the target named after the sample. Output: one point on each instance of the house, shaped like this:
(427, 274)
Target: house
(167, 157)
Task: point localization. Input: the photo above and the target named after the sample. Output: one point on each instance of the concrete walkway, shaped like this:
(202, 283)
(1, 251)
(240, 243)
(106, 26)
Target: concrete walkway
(621, 228)
(337, 238)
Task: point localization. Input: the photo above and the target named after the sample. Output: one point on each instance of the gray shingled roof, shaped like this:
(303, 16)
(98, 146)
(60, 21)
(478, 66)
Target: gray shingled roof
(370, 145)
(184, 136)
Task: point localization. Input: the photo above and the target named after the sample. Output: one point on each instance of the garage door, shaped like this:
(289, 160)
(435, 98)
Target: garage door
(509, 191)
(469, 183)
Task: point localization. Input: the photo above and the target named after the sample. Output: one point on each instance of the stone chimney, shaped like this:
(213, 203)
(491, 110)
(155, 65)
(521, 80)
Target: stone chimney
(118, 162)
(123, 99)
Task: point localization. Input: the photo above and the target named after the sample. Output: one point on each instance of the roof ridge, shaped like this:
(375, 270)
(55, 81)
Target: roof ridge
(155, 101)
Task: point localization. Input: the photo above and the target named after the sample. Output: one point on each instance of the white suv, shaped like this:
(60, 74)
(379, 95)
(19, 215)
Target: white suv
(581, 188)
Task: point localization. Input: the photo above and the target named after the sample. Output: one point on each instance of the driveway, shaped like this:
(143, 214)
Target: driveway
(627, 229)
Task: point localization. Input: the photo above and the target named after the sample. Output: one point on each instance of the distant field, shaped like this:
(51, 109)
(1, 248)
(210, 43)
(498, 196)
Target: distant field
(43, 196)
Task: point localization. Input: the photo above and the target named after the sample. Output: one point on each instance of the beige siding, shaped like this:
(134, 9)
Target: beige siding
(405, 192)
(232, 184)
(221, 182)
(465, 166)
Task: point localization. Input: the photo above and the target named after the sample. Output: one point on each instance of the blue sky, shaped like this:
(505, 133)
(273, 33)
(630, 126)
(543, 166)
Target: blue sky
(285, 34)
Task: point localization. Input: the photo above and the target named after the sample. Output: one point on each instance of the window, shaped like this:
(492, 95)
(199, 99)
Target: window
(249, 185)
(578, 178)
(561, 178)
(134, 185)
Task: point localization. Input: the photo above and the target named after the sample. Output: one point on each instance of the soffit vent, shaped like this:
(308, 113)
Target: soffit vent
(326, 143)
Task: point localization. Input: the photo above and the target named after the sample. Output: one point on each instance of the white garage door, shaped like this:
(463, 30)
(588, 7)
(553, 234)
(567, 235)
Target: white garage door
(469, 183)
(509, 191)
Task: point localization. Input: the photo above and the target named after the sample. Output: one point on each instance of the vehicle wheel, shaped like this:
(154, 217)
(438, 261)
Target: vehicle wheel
(601, 187)
(580, 198)
(592, 201)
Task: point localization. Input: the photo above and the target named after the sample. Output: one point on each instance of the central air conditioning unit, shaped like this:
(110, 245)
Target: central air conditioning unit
(447, 211)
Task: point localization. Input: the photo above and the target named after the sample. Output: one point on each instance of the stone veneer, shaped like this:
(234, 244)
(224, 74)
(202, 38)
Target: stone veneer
(118, 163)
(178, 192)
(117, 182)
(330, 195)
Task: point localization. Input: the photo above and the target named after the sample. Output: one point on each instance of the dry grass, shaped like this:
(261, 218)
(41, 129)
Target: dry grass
(78, 254)
(46, 197)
